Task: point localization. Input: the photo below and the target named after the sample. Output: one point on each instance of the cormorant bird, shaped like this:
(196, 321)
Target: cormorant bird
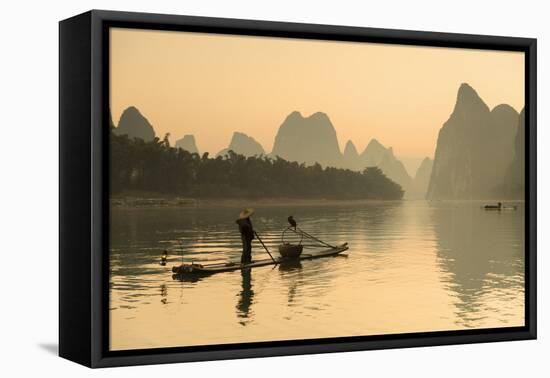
(292, 222)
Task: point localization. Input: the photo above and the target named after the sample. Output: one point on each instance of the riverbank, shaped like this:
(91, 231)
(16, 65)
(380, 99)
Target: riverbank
(145, 200)
(152, 200)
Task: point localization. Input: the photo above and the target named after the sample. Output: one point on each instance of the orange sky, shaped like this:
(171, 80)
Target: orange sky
(212, 85)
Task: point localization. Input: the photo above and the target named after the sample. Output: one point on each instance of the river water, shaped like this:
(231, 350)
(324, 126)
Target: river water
(412, 266)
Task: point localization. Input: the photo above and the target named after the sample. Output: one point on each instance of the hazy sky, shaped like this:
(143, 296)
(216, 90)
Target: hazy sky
(212, 85)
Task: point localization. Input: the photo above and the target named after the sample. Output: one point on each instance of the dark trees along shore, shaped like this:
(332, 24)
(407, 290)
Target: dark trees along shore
(155, 166)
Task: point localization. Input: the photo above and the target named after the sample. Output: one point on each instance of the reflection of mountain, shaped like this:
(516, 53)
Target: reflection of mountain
(479, 252)
(135, 125)
(188, 143)
(474, 149)
(308, 140)
(243, 144)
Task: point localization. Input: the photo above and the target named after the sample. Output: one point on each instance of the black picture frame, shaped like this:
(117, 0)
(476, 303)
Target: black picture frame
(83, 182)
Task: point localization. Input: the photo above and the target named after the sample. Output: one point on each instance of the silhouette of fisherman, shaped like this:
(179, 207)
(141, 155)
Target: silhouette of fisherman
(292, 222)
(247, 234)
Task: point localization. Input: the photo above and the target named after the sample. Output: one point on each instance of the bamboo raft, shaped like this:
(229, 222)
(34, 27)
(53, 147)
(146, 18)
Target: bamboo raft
(208, 269)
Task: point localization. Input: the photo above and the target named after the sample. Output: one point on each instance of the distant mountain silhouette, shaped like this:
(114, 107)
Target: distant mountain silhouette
(514, 180)
(474, 149)
(376, 155)
(308, 140)
(111, 123)
(188, 143)
(155, 167)
(373, 153)
(313, 140)
(135, 125)
(243, 144)
(421, 179)
(351, 157)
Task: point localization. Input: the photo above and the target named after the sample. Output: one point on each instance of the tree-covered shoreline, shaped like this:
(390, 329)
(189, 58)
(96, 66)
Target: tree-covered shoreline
(155, 166)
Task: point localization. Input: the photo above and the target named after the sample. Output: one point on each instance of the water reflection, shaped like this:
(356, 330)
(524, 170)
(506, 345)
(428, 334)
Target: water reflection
(191, 278)
(163, 293)
(482, 254)
(289, 266)
(291, 271)
(412, 267)
(245, 297)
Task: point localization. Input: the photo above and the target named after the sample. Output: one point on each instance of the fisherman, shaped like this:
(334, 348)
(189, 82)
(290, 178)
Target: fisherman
(247, 234)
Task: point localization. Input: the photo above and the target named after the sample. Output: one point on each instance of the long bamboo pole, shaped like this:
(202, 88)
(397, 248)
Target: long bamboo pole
(267, 250)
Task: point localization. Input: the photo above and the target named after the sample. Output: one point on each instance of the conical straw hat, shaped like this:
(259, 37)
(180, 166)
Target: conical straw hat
(246, 213)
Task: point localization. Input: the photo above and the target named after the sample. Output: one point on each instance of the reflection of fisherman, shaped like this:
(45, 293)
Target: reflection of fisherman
(247, 234)
(246, 296)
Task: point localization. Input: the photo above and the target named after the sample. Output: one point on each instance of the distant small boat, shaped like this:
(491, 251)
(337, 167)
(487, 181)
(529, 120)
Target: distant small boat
(499, 206)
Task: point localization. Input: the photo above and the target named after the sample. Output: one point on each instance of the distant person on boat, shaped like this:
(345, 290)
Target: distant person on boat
(247, 234)
(164, 257)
